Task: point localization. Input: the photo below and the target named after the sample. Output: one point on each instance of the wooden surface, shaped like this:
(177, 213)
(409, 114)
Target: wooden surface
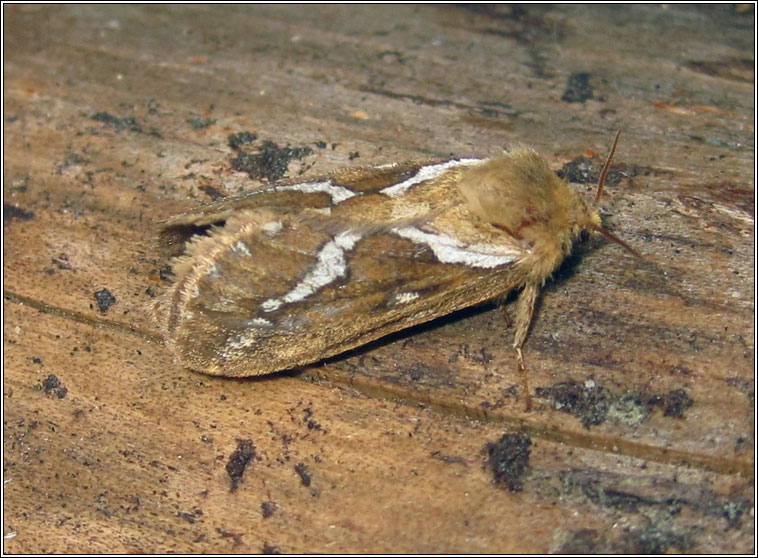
(642, 434)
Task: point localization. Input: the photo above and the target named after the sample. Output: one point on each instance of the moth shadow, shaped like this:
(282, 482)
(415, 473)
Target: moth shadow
(289, 373)
(570, 265)
(403, 335)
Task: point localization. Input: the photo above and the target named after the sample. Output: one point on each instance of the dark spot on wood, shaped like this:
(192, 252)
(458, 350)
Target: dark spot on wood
(650, 540)
(581, 170)
(61, 262)
(270, 162)
(236, 537)
(239, 461)
(305, 475)
(268, 508)
(674, 403)
(235, 141)
(415, 373)
(11, 212)
(212, 192)
(592, 404)
(578, 88)
(523, 24)
(74, 159)
(589, 404)
(104, 300)
(646, 540)
(581, 541)
(312, 424)
(187, 516)
(53, 386)
(198, 122)
(448, 459)
(508, 459)
(586, 170)
(119, 124)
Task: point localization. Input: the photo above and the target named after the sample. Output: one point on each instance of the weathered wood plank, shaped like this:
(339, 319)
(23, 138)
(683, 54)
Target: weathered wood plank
(117, 117)
(136, 461)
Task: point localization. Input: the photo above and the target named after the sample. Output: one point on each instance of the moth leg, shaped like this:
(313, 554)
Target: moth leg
(507, 316)
(524, 312)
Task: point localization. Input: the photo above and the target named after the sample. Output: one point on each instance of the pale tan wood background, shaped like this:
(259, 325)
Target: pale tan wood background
(111, 447)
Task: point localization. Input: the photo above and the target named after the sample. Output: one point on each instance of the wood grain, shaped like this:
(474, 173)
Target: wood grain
(642, 437)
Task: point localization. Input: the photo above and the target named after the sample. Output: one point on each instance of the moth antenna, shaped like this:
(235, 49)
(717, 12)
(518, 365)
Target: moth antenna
(600, 183)
(606, 166)
(610, 236)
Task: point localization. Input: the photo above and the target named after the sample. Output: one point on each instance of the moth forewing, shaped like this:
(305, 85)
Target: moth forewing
(276, 287)
(298, 272)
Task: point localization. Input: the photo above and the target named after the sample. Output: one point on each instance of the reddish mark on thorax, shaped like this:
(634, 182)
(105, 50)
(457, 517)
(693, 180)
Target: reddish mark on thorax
(527, 221)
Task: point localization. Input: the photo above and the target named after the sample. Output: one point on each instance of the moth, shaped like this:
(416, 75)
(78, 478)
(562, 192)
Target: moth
(293, 273)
